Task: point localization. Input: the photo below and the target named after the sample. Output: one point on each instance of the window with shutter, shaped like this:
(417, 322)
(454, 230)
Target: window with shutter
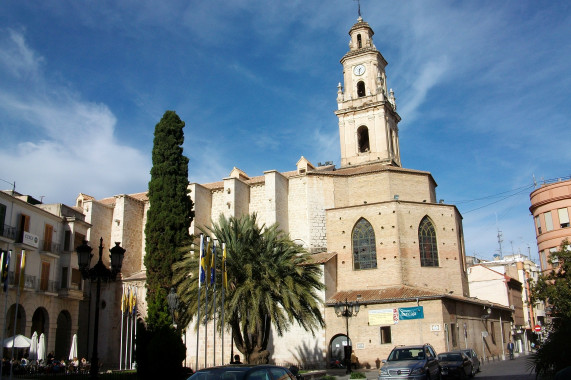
(563, 217)
(548, 221)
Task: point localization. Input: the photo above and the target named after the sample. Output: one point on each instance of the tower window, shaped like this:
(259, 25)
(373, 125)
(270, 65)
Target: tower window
(363, 139)
(359, 42)
(427, 243)
(360, 89)
(364, 252)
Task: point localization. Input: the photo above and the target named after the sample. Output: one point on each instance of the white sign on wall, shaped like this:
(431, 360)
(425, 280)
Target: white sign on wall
(30, 239)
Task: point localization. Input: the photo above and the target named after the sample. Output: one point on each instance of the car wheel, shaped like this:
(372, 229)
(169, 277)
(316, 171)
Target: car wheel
(473, 372)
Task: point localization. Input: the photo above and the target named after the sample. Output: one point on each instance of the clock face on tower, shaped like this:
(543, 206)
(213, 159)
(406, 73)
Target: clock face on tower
(359, 70)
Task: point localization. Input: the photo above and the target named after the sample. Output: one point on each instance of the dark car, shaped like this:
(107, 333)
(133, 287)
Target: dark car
(243, 372)
(411, 362)
(474, 358)
(455, 365)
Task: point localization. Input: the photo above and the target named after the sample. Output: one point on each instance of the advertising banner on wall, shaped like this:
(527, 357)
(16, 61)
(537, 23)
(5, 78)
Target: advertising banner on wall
(383, 317)
(416, 312)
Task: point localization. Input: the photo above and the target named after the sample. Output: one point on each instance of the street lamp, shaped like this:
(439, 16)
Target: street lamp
(98, 273)
(347, 310)
(173, 301)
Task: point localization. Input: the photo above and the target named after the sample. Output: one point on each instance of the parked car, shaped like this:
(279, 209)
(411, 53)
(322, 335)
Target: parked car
(474, 358)
(243, 372)
(455, 365)
(411, 362)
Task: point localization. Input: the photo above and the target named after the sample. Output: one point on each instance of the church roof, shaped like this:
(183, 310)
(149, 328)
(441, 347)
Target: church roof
(142, 196)
(402, 293)
(321, 258)
(327, 171)
(384, 295)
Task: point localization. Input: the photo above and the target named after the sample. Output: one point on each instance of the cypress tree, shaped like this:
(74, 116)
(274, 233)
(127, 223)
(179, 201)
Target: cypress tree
(169, 216)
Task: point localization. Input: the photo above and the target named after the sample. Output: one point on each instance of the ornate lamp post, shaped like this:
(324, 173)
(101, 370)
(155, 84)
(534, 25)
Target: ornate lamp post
(98, 273)
(173, 301)
(347, 310)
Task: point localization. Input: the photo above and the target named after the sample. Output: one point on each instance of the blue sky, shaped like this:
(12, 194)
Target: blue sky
(482, 87)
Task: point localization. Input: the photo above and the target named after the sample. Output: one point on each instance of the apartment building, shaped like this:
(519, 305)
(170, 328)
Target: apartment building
(43, 293)
(550, 207)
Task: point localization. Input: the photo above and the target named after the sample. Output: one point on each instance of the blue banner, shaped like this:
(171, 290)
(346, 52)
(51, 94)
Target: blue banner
(411, 313)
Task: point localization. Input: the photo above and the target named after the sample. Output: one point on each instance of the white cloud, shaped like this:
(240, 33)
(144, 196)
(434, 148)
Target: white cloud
(16, 57)
(67, 144)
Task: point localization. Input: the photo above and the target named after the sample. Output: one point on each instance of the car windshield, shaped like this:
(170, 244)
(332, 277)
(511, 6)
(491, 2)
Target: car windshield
(469, 353)
(220, 374)
(406, 354)
(450, 357)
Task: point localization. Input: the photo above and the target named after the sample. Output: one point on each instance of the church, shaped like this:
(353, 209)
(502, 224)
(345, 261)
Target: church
(385, 242)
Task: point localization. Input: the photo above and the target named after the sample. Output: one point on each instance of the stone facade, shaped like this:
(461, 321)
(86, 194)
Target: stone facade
(321, 207)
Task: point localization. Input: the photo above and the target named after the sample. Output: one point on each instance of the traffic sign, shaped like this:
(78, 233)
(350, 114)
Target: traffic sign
(537, 328)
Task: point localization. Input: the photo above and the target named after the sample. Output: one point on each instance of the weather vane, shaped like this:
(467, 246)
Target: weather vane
(358, 7)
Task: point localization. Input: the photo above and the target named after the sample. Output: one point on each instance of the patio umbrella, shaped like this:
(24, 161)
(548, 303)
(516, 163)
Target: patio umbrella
(33, 354)
(42, 348)
(17, 341)
(73, 351)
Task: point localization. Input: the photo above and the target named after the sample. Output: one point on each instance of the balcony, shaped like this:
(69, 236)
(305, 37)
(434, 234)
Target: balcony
(50, 247)
(7, 232)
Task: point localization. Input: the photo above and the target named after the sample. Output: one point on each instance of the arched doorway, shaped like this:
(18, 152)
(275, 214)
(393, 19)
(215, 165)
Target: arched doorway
(337, 348)
(40, 321)
(20, 321)
(63, 335)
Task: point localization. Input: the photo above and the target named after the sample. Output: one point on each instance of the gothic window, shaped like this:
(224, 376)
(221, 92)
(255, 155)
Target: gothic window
(361, 89)
(363, 139)
(427, 243)
(359, 42)
(364, 251)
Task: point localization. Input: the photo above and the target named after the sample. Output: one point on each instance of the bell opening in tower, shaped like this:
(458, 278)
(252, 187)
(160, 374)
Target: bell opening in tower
(361, 89)
(363, 138)
(359, 42)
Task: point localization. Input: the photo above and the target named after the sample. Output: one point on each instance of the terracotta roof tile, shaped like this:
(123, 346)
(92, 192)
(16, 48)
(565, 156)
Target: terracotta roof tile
(87, 197)
(403, 293)
(389, 294)
(321, 258)
(369, 168)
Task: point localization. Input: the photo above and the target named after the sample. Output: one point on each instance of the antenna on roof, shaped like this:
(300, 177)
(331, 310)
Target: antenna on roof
(358, 7)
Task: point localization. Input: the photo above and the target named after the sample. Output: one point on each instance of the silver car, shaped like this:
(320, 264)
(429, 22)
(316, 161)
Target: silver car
(411, 362)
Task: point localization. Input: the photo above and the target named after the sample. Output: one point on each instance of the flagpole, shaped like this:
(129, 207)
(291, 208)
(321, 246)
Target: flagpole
(134, 345)
(20, 284)
(5, 272)
(198, 308)
(213, 281)
(128, 325)
(122, 314)
(222, 324)
(206, 307)
(133, 317)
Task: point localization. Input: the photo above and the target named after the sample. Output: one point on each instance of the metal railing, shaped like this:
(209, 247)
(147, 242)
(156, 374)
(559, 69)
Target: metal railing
(8, 231)
(51, 247)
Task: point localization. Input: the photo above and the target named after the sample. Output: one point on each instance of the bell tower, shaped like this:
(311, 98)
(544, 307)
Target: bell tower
(368, 121)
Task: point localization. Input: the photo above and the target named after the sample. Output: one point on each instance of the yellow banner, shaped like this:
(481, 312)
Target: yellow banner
(382, 317)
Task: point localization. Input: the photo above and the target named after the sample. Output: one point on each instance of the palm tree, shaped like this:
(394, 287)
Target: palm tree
(271, 282)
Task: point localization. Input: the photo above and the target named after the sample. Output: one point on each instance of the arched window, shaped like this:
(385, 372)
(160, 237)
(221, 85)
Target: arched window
(363, 139)
(427, 243)
(359, 42)
(360, 89)
(364, 251)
